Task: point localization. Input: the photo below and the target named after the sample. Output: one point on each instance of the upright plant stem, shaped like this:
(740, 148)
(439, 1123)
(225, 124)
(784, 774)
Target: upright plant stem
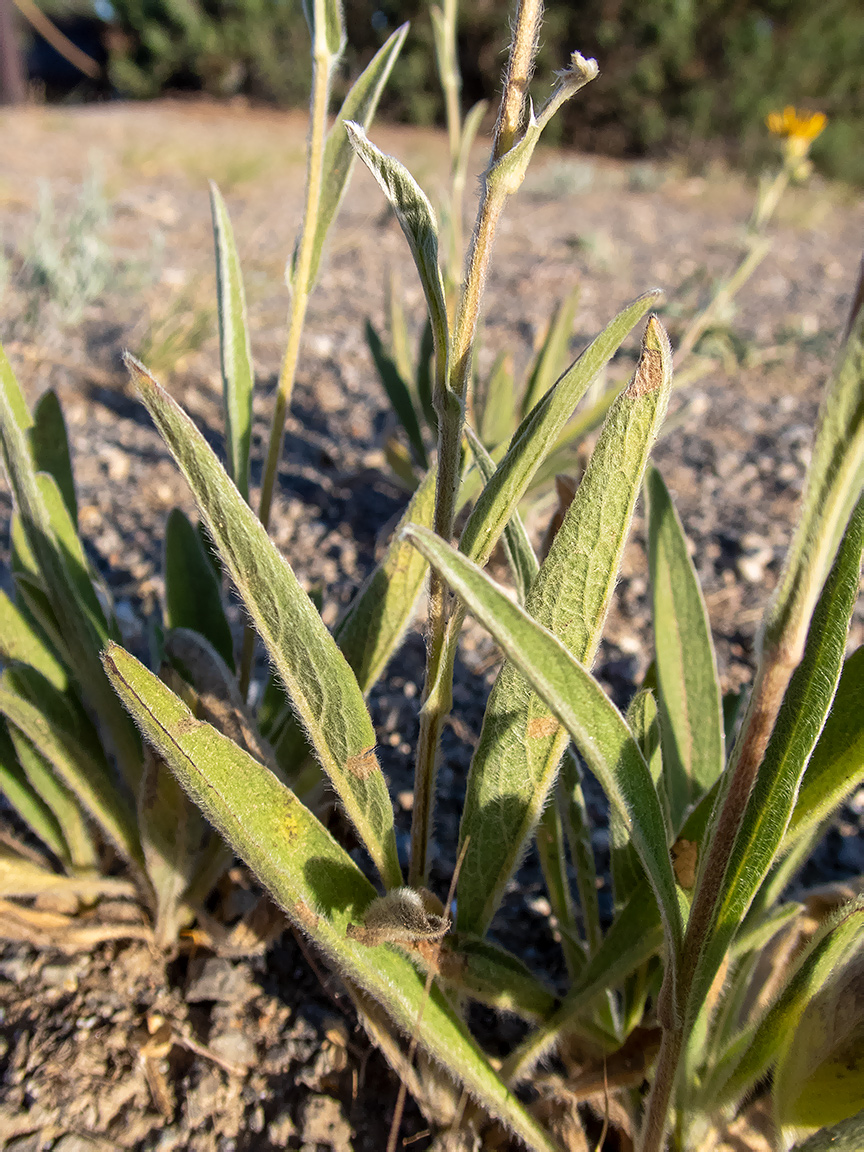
(322, 64)
(772, 680)
(451, 406)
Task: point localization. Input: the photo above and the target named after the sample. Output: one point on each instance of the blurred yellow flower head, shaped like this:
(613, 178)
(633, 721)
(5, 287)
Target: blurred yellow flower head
(799, 129)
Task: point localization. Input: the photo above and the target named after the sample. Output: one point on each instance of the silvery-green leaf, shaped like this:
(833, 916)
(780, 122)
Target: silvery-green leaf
(847, 1136)
(756, 1048)
(375, 621)
(579, 703)
(551, 359)
(83, 774)
(537, 433)
(62, 575)
(495, 401)
(836, 767)
(193, 596)
(691, 720)
(173, 833)
(359, 106)
(26, 801)
(322, 687)
(235, 353)
(80, 851)
(417, 220)
(520, 553)
(311, 877)
(490, 974)
(835, 479)
(324, 18)
(521, 743)
(802, 714)
(397, 393)
(634, 936)
(19, 641)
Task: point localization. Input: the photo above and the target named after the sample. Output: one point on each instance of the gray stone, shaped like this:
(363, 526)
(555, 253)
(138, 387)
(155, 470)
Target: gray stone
(215, 978)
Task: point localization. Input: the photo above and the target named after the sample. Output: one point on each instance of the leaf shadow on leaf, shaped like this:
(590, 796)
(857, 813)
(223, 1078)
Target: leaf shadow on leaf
(336, 888)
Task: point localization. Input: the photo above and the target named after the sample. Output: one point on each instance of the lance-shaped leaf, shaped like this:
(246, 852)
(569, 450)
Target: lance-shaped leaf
(193, 597)
(81, 853)
(359, 106)
(397, 393)
(495, 401)
(847, 1136)
(691, 720)
(834, 483)
(49, 444)
(235, 353)
(579, 703)
(524, 564)
(537, 433)
(490, 974)
(755, 1050)
(57, 555)
(86, 777)
(375, 622)
(173, 832)
(326, 24)
(643, 723)
(20, 642)
(323, 689)
(521, 743)
(310, 876)
(26, 800)
(836, 767)
(634, 936)
(417, 221)
(820, 1074)
(552, 356)
(802, 714)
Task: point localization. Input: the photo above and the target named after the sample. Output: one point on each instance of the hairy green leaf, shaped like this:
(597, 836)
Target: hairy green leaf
(490, 974)
(322, 687)
(551, 359)
(235, 352)
(86, 776)
(847, 1136)
(417, 220)
(49, 444)
(375, 622)
(496, 401)
(834, 483)
(802, 714)
(757, 1047)
(310, 876)
(398, 394)
(19, 641)
(193, 596)
(691, 721)
(836, 767)
(538, 432)
(524, 564)
(579, 703)
(47, 529)
(359, 106)
(521, 743)
(26, 800)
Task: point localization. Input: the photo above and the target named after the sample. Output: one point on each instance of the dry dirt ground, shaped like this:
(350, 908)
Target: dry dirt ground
(261, 1057)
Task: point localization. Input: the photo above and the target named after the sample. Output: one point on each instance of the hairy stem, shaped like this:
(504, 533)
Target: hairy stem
(660, 1101)
(450, 405)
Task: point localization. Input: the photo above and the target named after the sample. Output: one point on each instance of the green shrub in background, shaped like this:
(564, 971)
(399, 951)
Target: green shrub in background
(674, 75)
(667, 1007)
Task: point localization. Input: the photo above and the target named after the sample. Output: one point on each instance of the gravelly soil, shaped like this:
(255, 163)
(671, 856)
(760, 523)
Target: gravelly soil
(734, 458)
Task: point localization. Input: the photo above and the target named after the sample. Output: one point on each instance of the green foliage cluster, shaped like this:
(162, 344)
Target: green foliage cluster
(672, 75)
(708, 820)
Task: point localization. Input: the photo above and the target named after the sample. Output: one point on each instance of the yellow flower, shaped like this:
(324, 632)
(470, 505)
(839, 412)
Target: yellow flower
(799, 129)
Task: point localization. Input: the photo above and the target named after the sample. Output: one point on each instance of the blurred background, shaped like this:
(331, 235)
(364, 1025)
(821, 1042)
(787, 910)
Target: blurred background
(691, 77)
